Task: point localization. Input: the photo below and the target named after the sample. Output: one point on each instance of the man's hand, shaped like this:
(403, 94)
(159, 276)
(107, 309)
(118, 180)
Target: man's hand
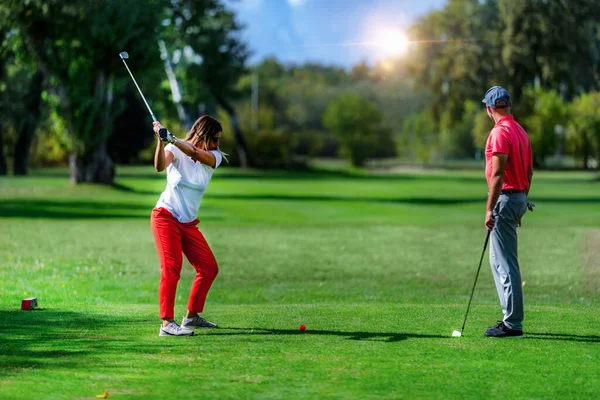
(489, 220)
(530, 206)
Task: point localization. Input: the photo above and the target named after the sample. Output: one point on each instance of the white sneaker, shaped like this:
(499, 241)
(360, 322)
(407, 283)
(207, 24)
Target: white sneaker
(173, 329)
(196, 322)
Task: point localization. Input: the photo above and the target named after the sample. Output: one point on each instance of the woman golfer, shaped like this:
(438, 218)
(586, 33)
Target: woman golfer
(190, 164)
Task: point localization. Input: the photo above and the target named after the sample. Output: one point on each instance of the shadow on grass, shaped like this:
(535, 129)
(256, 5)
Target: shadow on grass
(282, 197)
(142, 172)
(127, 189)
(427, 175)
(45, 339)
(337, 175)
(409, 200)
(300, 197)
(563, 336)
(21, 208)
(388, 337)
(321, 175)
(63, 340)
(433, 200)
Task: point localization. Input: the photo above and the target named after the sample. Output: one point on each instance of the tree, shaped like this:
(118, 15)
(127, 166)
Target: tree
(73, 44)
(549, 112)
(457, 55)
(4, 103)
(298, 96)
(457, 141)
(270, 144)
(361, 72)
(482, 125)
(32, 102)
(22, 98)
(357, 125)
(583, 134)
(550, 41)
(422, 136)
(208, 33)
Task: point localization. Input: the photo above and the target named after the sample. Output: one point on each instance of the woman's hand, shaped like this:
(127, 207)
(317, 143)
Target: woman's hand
(163, 134)
(157, 127)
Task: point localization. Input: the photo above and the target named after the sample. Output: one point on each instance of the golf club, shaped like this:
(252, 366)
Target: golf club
(125, 56)
(457, 333)
(163, 131)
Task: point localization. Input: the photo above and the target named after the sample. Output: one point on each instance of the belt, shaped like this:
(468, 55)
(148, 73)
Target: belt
(512, 191)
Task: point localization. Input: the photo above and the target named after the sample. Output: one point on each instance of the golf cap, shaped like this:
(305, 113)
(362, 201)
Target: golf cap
(496, 94)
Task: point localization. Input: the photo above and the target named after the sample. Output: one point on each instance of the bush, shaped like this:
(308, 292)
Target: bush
(270, 148)
(48, 150)
(548, 111)
(358, 126)
(422, 138)
(583, 135)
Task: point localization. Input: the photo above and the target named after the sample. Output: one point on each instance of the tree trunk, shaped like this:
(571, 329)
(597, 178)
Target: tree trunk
(95, 166)
(3, 169)
(33, 100)
(240, 142)
(22, 147)
(585, 153)
(175, 88)
(517, 90)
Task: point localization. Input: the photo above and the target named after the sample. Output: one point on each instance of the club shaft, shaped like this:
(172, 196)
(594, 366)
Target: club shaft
(487, 239)
(139, 90)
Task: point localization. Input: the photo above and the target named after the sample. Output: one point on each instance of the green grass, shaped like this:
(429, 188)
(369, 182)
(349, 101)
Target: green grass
(378, 267)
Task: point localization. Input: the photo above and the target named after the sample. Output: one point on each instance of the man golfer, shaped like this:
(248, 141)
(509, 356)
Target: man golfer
(508, 170)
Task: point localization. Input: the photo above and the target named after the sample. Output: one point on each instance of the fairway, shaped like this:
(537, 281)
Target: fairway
(379, 268)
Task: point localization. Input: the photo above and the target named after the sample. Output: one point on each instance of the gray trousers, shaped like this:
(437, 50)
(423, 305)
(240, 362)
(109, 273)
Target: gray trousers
(504, 257)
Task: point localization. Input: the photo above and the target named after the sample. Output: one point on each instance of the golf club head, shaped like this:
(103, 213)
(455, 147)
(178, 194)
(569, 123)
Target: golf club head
(124, 55)
(456, 334)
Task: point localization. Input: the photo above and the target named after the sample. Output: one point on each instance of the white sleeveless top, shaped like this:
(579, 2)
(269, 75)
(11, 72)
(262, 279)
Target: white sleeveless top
(186, 183)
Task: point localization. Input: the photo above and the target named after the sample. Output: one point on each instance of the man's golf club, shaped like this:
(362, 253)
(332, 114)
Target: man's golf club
(457, 333)
(163, 131)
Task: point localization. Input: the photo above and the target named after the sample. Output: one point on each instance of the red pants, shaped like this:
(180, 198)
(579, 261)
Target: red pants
(172, 238)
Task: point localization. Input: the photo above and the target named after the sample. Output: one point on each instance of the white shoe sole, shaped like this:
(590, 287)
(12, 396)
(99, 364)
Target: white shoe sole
(163, 333)
(198, 327)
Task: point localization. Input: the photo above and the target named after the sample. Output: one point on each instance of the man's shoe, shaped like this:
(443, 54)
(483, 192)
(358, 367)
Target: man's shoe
(196, 322)
(173, 329)
(502, 330)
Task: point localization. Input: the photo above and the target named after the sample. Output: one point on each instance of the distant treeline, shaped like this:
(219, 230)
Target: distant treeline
(66, 97)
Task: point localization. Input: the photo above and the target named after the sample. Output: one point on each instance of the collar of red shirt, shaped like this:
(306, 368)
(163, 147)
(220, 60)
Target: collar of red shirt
(504, 119)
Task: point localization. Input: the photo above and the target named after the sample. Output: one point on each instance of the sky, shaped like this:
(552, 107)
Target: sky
(298, 31)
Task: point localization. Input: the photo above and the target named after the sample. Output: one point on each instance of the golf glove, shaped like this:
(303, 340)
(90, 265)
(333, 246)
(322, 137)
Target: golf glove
(166, 136)
(530, 206)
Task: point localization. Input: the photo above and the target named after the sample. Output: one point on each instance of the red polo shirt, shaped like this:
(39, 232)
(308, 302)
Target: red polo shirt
(510, 138)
